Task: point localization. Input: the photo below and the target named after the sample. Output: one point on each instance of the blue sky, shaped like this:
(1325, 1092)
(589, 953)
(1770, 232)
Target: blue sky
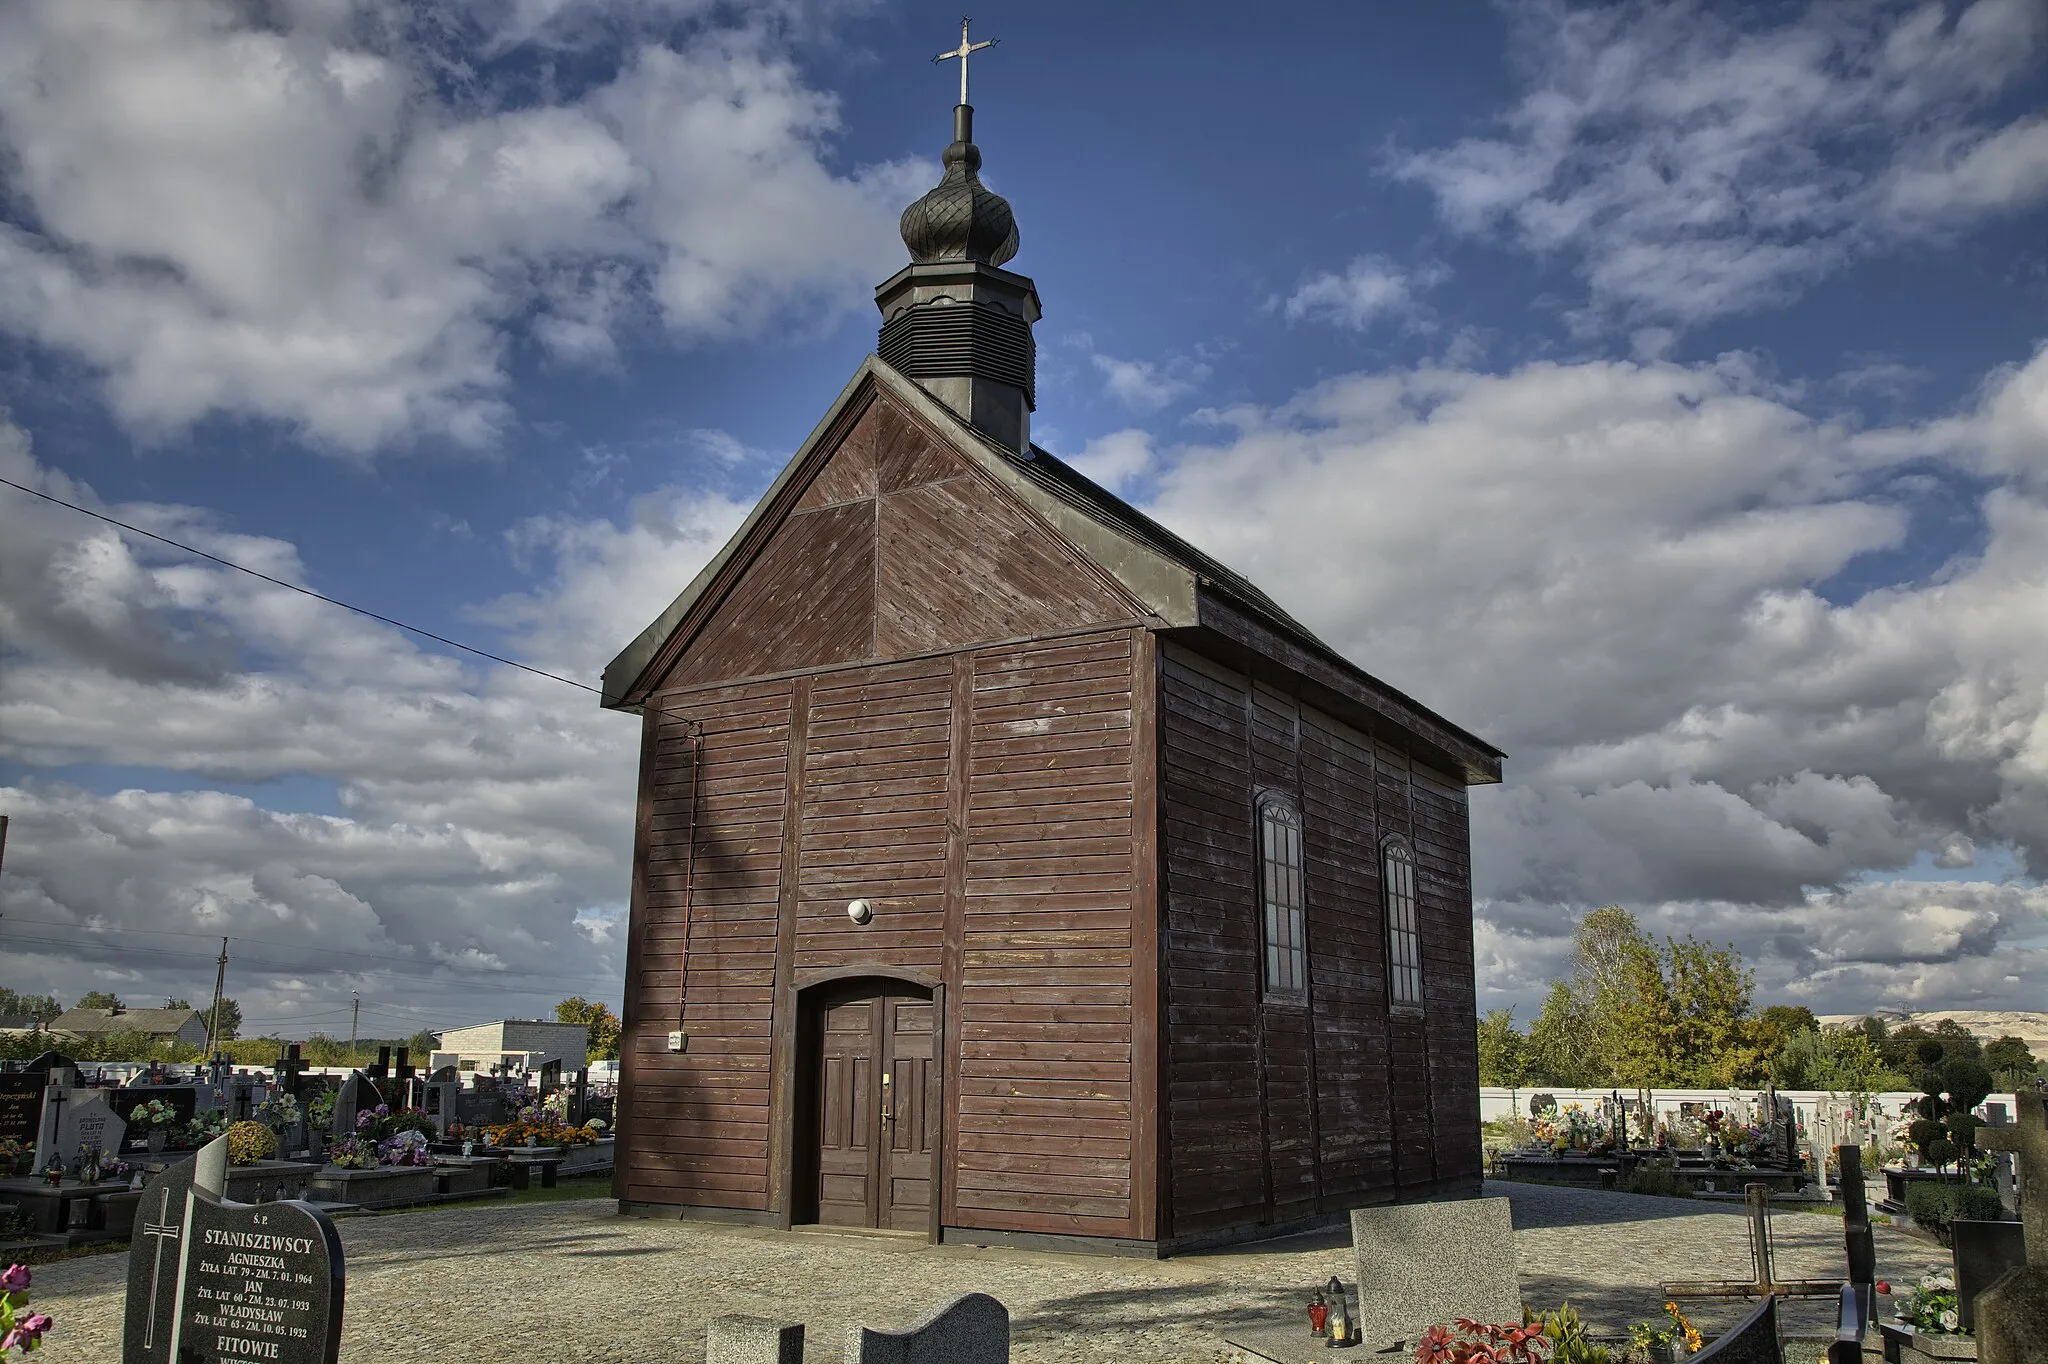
(1653, 388)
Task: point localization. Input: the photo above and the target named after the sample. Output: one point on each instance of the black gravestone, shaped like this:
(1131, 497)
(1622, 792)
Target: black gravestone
(1984, 1251)
(1753, 1341)
(1859, 1240)
(212, 1281)
(21, 1107)
(183, 1099)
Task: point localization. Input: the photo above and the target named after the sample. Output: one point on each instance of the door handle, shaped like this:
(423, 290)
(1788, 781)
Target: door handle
(886, 1116)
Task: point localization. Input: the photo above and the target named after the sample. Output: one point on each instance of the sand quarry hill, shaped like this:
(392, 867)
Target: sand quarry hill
(1984, 1024)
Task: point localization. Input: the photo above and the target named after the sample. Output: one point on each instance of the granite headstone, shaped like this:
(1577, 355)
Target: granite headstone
(212, 1281)
(357, 1094)
(1428, 1264)
(974, 1328)
(183, 1099)
(1984, 1251)
(89, 1121)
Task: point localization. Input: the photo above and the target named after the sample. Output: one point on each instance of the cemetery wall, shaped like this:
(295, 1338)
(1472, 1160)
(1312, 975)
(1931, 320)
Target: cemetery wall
(1279, 1112)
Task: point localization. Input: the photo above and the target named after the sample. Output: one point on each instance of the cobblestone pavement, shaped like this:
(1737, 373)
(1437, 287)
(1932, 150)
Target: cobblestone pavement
(573, 1282)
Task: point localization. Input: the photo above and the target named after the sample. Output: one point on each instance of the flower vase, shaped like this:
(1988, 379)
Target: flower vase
(157, 1140)
(1663, 1352)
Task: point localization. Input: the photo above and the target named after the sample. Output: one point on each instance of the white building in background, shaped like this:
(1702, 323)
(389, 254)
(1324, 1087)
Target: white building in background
(513, 1047)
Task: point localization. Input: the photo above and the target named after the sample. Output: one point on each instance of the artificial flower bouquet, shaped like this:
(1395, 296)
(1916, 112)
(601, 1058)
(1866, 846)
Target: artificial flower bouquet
(153, 1115)
(20, 1329)
(249, 1142)
(1645, 1335)
(1481, 1342)
(352, 1153)
(1933, 1308)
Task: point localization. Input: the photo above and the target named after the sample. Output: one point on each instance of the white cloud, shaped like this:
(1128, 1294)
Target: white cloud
(1371, 288)
(1613, 571)
(298, 220)
(1116, 460)
(1695, 167)
(485, 815)
(1147, 386)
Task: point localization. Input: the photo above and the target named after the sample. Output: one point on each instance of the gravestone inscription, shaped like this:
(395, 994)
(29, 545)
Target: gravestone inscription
(212, 1281)
(21, 1106)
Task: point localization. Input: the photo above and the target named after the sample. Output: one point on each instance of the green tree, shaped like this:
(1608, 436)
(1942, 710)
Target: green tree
(1838, 1060)
(422, 1045)
(1642, 1022)
(1710, 995)
(600, 1020)
(42, 1008)
(2011, 1062)
(99, 999)
(1503, 1051)
(1561, 1049)
(230, 1017)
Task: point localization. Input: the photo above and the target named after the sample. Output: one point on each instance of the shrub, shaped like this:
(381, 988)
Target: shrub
(249, 1142)
(1934, 1206)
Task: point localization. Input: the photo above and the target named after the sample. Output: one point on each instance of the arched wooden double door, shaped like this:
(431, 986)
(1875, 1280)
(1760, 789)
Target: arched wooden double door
(868, 1113)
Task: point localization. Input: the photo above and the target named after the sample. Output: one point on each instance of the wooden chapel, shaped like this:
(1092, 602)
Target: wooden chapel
(1007, 870)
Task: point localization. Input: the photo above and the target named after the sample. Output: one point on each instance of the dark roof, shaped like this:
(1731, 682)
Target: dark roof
(1070, 485)
(1075, 488)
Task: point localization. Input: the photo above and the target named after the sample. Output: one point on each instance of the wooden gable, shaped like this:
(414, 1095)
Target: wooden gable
(896, 545)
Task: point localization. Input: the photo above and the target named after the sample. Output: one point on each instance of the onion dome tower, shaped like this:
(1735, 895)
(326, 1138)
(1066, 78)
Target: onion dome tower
(953, 321)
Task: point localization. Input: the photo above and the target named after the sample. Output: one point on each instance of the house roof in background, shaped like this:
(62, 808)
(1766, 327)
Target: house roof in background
(125, 1020)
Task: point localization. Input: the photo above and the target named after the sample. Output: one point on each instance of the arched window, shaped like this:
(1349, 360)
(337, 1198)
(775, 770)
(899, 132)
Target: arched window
(1280, 892)
(1404, 937)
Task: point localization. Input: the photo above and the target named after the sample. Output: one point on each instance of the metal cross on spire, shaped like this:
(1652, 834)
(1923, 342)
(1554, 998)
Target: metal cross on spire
(963, 52)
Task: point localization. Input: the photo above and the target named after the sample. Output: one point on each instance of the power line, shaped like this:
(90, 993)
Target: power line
(321, 948)
(497, 979)
(305, 591)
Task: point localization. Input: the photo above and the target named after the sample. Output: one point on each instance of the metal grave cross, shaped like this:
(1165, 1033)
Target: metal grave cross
(1764, 1282)
(963, 52)
(164, 1229)
(2027, 1139)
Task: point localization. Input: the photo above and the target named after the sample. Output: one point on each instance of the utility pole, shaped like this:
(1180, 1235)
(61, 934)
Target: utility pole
(355, 1011)
(220, 979)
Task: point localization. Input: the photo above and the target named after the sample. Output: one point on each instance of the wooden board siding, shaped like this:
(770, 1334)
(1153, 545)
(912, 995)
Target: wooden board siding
(696, 1129)
(1217, 1175)
(1277, 1112)
(1348, 942)
(897, 546)
(874, 816)
(1000, 825)
(1443, 839)
(1044, 1106)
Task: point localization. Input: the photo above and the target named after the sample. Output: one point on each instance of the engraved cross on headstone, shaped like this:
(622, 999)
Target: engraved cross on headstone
(963, 52)
(163, 1229)
(2027, 1139)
